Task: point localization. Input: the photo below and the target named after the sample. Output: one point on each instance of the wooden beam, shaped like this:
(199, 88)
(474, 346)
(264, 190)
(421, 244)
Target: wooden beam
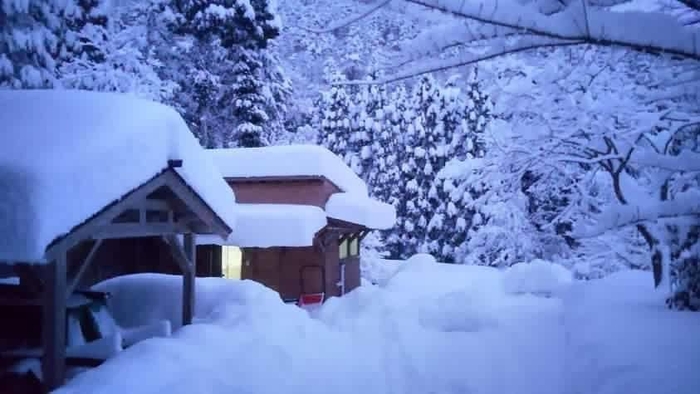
(107, 215)
(151, 204)
(364, 233)
(196, 204)
(128, 230)
(30, 276)
(177, 252)
(188, 282)
(343, 238)
(187, 260)
(54, 322)
(83, 267)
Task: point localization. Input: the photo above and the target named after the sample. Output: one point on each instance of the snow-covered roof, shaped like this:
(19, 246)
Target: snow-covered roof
(288, 161)
(66, 155)
(360, 209)
(272, 225)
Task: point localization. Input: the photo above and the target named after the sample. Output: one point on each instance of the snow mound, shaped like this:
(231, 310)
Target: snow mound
(424, 294)
(145, 299)
(377, 270)
(242, 327)
(421, 258)
(536, 277)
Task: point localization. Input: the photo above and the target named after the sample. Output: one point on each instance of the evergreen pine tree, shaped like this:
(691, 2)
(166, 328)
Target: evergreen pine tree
(417, 169)
(335, 123)
(386, 179)
(34, 39)
(231, 89)
(245, 97)
(462, 121)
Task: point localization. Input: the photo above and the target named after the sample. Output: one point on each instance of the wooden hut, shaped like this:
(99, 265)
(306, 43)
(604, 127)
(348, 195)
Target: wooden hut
(302, 214)
(86, 177)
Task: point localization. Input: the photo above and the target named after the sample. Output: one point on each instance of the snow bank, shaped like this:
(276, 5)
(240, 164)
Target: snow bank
(287, 160)
(419, 333)
(138, 300)
(435, 296)
(360, 209)
(432, 322)
(432, 328)
(378, 270)
(536, 277)
(261, 343)
(269, 225)
(65, 155)
(622, 339)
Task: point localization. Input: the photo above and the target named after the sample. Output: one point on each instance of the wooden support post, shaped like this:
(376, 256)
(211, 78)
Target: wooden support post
(83, 267)
(188, 277)
(54, 323)
(344, 237)
(363, 234)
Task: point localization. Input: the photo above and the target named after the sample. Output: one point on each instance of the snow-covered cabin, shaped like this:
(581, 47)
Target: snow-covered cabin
(86, 181)
(301, 215)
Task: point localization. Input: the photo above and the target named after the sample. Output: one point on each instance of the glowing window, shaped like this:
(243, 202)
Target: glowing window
(344, 249)
(231, 259)
(354, 247)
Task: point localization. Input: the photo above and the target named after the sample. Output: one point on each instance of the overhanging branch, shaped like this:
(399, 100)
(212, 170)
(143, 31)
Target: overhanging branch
(464, 61)
(549, 28)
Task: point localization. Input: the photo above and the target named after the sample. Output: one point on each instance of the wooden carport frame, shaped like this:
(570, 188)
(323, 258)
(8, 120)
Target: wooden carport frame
(177, 208)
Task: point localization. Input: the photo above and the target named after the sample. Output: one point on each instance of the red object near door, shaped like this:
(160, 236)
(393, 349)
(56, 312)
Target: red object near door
(311, 299)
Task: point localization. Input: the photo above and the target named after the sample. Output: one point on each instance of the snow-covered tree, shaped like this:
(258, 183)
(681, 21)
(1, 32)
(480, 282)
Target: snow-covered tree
(334, 113)
(115, 58)
(246, 99)
(463, 117)
(231, 90)
(619, 144)
(35, 38)
(385, 176)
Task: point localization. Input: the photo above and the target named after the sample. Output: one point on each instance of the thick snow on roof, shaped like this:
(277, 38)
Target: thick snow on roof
(288, 160)
(65, 155)
(272, 225)
(360, 209)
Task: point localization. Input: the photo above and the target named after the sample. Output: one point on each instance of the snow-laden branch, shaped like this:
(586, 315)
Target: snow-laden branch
(350, 20)
(687, 161)
(437, 39)
(525, 44)
(694, 4)
(652, 32)
(620, 216)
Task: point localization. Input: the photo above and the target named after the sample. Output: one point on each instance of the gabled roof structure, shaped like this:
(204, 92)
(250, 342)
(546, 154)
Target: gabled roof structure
(78, 168)
(66, 156)
(296, 182)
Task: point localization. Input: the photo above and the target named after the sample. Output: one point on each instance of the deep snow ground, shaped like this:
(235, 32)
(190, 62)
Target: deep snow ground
(430, 328)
